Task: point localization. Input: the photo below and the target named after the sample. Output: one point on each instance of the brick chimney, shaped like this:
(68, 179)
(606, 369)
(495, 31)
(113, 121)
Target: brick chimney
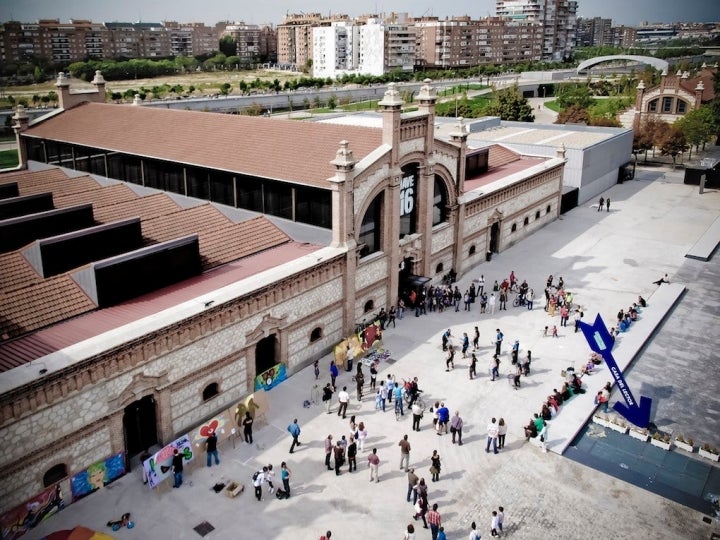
(99, 83)
(391, 106)
(22, 120)
(427, 98)
(63, 86)
(342, 185)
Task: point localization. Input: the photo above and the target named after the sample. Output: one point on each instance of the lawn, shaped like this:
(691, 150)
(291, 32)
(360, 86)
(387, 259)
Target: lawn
(600, 107)
(8, 159)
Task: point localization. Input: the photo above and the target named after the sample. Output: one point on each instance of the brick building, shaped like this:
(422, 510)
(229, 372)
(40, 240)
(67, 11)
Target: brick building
(130, 343)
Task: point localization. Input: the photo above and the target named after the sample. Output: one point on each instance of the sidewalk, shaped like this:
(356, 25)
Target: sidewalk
(606, 260)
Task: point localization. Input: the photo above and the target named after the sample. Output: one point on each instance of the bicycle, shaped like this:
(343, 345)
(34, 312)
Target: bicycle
(519, 300)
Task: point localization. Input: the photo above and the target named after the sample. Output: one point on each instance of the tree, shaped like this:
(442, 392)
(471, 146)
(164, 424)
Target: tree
(332, 102)
(510, 105)
(574, 114)
(673, 143)
(228, 46)
(225, 88)
(698, 126)
(574, 95)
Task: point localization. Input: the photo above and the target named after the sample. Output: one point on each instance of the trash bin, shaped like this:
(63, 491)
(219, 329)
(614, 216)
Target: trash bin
(349, 364)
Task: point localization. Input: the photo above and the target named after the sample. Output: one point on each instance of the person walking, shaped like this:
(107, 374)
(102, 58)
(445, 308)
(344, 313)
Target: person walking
(334, 372)
(373, 375)
(360, 382)
(177, 468)
(404, 453)
(327, 396)
(412, 482)
(456, 425)
(495, 370)
(476, 339)
(465, 344)
(472, 367)
(258, 479)
(294, 431)
(285, 475)
(374, 464)
(421, 506)
(491, 303)
(530, 299)
(450, 359)
(434, 520)
(502, 431)
(343, 399)
(362, 435)
(492, 435)
(503, 300)
(435, 466)
(328, 451)
(494, 524)
(247, 424)
(498, 341)
(601, 204)
(417, 412)
(211, 448)
(481, 284)
(607, 204)
(269, 477)
(501, 518)
(474, 535)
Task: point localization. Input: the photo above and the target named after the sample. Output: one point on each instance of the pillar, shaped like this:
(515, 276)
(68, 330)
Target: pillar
(21, 122)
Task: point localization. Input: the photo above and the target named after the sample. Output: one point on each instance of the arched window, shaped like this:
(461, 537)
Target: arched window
(653, 105)
(439, 202)
(211, 390)
(371, 227)
(316, 334)
(439, 268)
(526, 221)
(681, 107)
(54, 474)
(537, 214)
(369, 306)
(548, 209)
(513, 228)
(471, 251)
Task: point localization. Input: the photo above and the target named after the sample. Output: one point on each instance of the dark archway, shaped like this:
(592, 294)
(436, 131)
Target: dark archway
(140, 425)
(266, 352)
(494, 237)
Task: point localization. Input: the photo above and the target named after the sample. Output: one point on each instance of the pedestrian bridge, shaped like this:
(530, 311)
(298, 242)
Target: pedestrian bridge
(658, 63)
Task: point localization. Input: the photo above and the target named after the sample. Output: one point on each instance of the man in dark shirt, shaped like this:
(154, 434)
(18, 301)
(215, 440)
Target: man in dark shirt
(211, 448)
(177, 467)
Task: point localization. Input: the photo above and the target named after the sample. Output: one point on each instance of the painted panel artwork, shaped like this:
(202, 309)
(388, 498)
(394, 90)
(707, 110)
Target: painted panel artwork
(97, 476)
(16, 522)
(271, 378)
(158, 467)
(220, 425)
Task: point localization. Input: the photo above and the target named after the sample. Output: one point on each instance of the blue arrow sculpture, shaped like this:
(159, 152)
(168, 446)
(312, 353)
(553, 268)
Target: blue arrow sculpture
(601, 342)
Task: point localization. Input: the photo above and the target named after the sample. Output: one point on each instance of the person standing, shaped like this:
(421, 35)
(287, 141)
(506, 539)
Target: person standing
(607, 204)
(398, 395)
(352, 455)
(177, 467)
(472, 367)
(391, 317)
(492, 435)
(316, 369)
(211, 449)
(339, 454)
(362, 435)
(285, 475)
(474, 535)
(435, 466)
(564, 315)
(465, 344)
(491, 303)
(360, 382)
(434, 520)
(481, 284)
(501, 518)
(502, 431)
(374, 464)
(258, 479)
(373, 375)
(269, 477)
(327, 396)
(328, 451)
(601, 203)
(456, 425)
(412, 482)
(383, 395)
(495, 367)
(443, 414)
(334, 372)
(476, 339)
(247, 427)
(294, 431)
(404, 453)
(417, 413)
(498, 341)
(343, 399)
(503, 299)
(450, 359)
(494, 524)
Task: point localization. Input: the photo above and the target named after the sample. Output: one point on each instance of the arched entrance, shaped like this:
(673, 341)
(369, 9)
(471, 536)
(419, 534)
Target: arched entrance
(140, 425)
(494, 243)
(266, 353)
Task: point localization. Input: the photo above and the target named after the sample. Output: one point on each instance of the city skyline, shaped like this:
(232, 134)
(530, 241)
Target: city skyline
(620, 11)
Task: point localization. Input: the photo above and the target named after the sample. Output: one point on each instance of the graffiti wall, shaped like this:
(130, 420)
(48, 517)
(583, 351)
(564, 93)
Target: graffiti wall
(97, 476)
(271, 378)
(221, 425)
(159, 466)
(19, 520)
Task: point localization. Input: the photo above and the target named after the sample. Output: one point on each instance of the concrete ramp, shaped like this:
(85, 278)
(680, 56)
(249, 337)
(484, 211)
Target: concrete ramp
(707, 244)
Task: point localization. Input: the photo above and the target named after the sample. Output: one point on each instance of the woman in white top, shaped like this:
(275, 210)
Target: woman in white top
(410, 533)
(362, 435)
(502, 431)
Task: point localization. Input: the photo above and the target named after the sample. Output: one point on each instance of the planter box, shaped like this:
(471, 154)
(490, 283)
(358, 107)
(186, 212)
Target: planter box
(618, 428)
(684, 446)
(708, 455)
(639, 435)
(661, 444)
(233, 489)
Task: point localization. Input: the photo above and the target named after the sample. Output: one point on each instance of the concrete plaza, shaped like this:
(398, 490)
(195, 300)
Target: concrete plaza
(607, 259)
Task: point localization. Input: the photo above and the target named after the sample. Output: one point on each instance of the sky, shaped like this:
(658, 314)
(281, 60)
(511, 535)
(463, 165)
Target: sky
(628, 12)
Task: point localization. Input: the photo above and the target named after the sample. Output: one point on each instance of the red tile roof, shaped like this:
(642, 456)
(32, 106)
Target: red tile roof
(286, 150)
(499, 156)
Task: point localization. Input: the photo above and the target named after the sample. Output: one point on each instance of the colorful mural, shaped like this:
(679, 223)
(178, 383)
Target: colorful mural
(271, 378)
(16, 522)
(220, 425)
(97, 476)
(159, 466)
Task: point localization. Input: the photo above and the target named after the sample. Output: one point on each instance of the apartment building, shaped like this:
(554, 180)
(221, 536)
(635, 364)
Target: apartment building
(191, 39)
(557, 17)
(400, 39)
(594, 32)
(137, 40)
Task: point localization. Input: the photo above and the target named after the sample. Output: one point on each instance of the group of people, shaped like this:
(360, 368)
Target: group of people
(625, 317)
(345, 449)
(266, 475)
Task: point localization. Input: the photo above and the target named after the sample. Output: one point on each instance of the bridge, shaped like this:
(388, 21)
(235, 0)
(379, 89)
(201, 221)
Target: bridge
(657, 63)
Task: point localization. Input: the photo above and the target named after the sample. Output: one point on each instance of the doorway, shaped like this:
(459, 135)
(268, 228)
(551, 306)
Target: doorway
(494, 237)
(140, 425)
(266, 354)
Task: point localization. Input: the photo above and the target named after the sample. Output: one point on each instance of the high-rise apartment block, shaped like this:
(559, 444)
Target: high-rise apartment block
(595, 32)
(254, 43)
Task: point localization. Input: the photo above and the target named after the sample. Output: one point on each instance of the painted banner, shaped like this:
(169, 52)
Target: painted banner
(221, 425)
(97, 476)
(256, 404)
(271, 378)
(601, 342)
(16, 522)
(159, 466)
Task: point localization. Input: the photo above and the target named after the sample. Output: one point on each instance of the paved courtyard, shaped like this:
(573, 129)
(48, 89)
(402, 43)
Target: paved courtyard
(606, 260)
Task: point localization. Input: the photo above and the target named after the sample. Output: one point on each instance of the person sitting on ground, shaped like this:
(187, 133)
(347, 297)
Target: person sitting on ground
(642, 301)
(545, 413)
(587, 368)
(595, 358)
(565, 392)
(553, 403)
(558, 397)
(539, 422)
(576, 385)
(530, 430)
(664, 279)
